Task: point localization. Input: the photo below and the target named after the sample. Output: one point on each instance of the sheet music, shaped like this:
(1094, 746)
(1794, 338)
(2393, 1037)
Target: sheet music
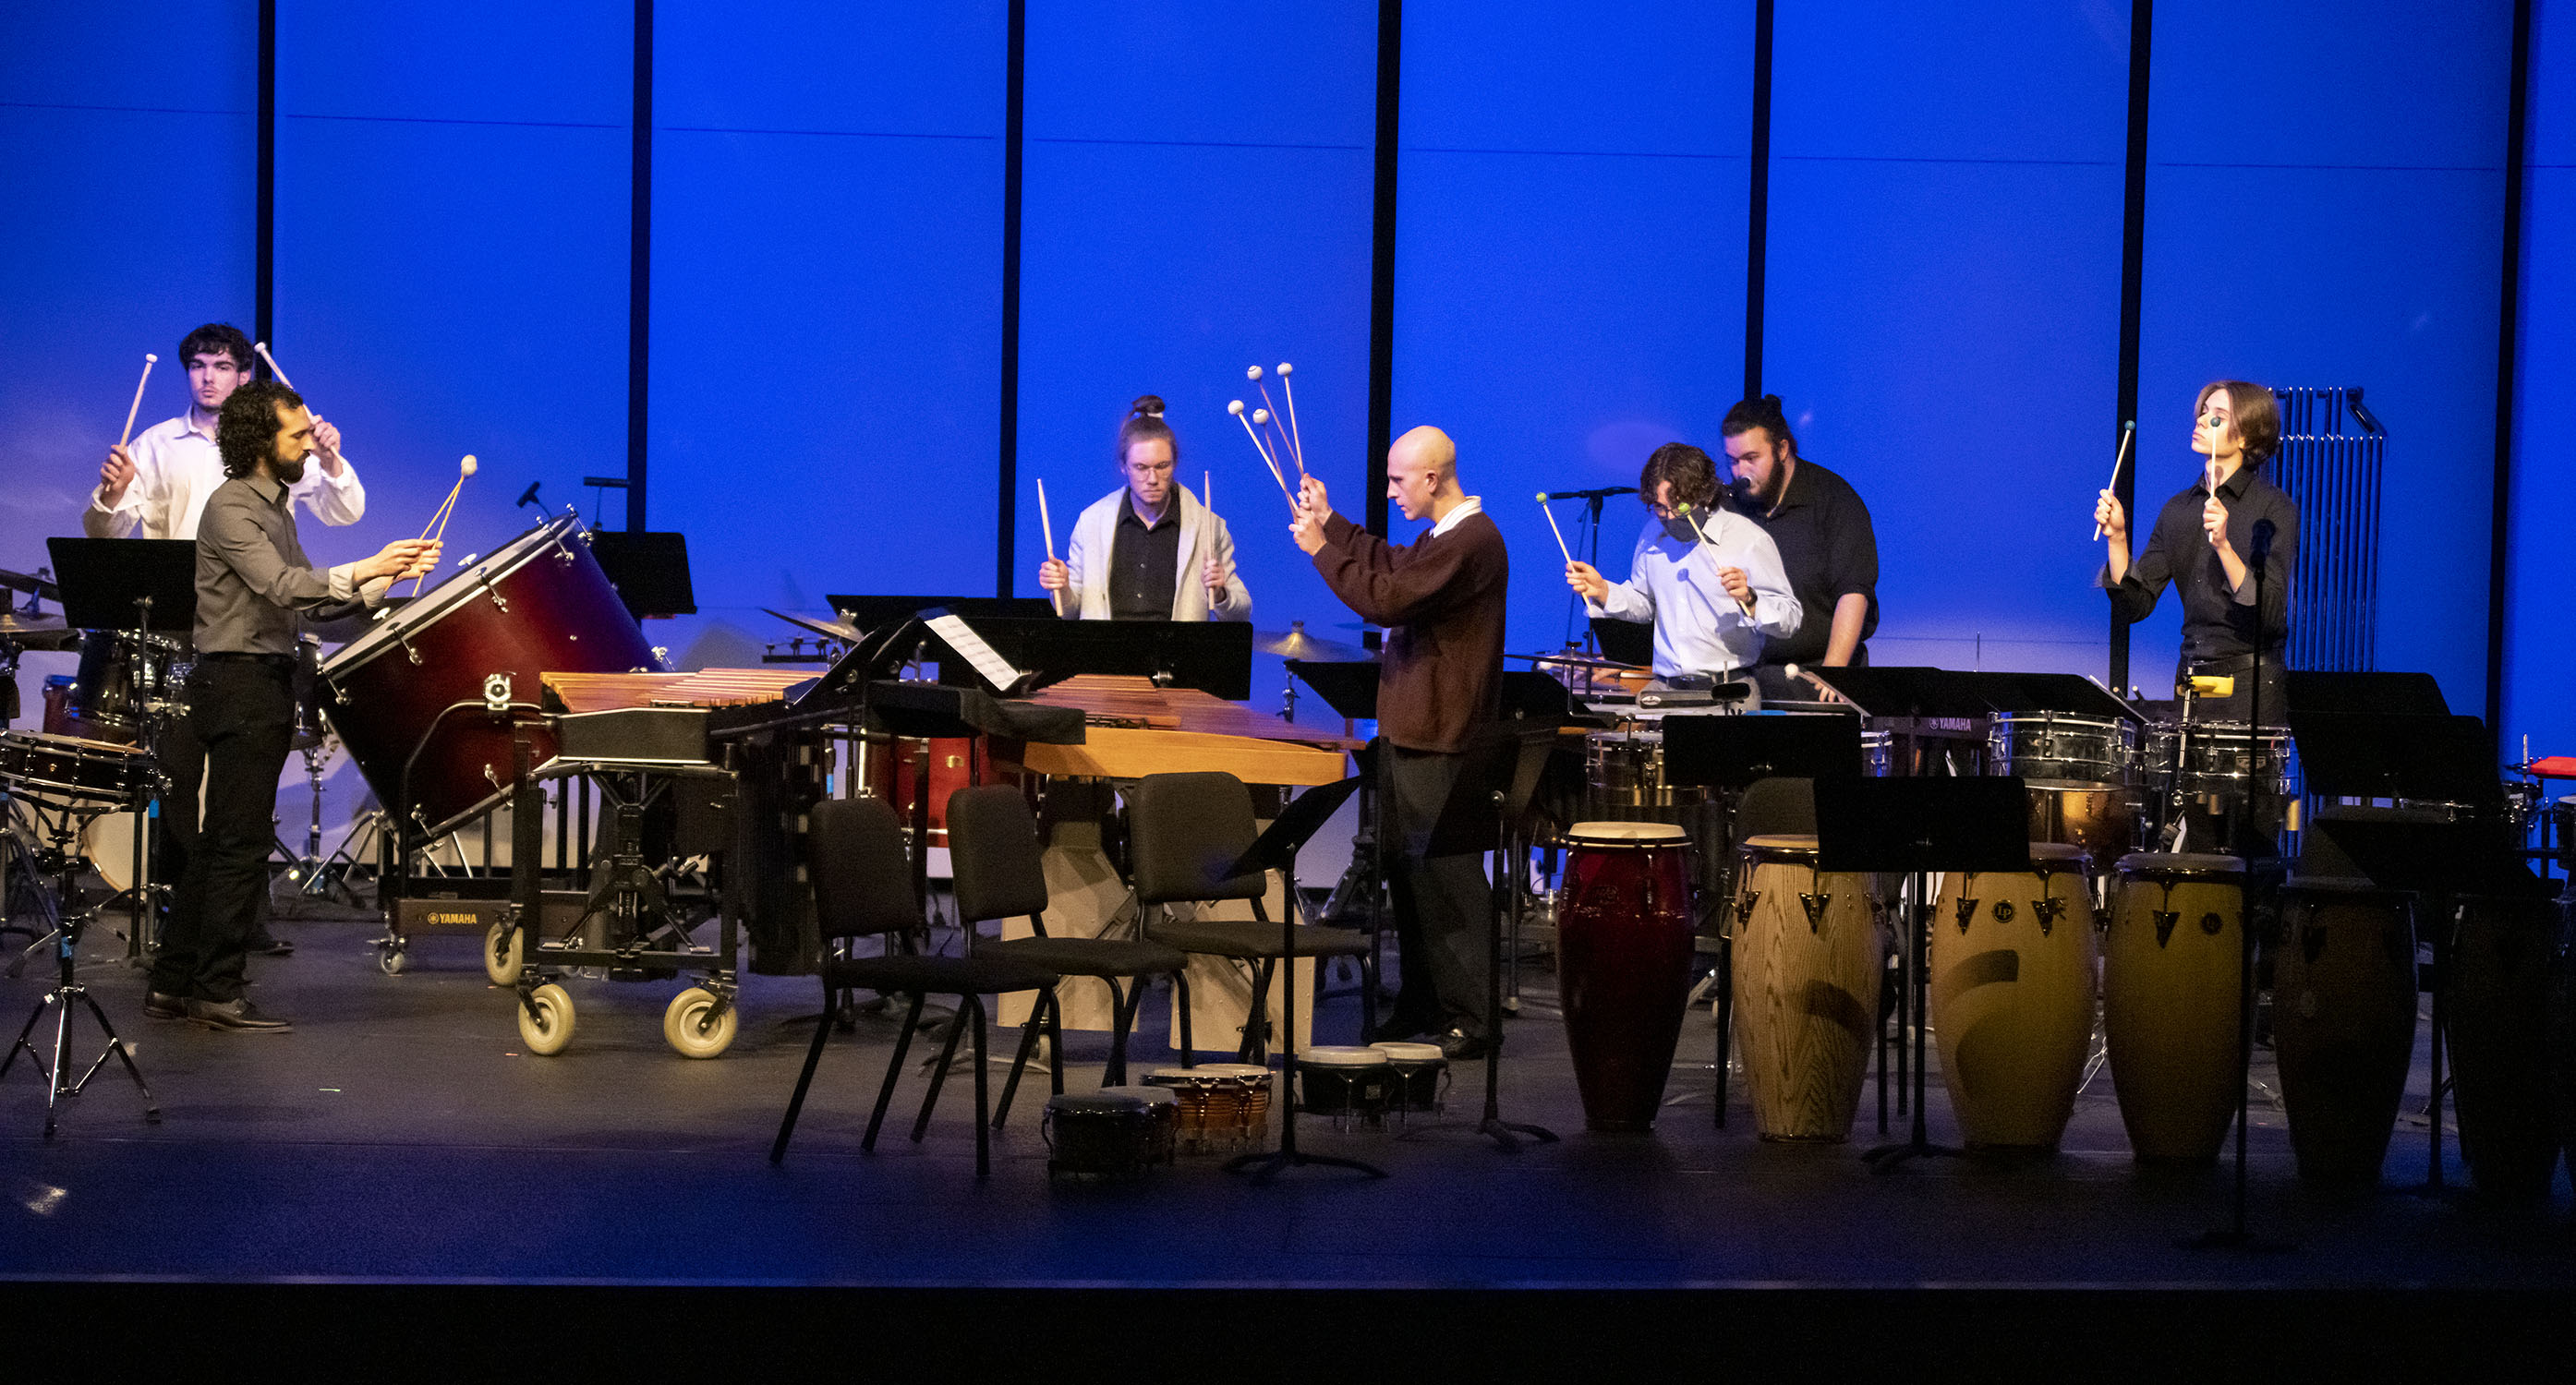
(995, 669)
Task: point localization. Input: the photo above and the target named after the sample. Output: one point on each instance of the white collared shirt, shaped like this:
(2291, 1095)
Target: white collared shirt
(176, 467)
(1698, 627)
(1472, 505)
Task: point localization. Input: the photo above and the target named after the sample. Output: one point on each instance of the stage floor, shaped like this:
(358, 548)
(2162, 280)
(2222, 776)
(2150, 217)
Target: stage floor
(401, 1134)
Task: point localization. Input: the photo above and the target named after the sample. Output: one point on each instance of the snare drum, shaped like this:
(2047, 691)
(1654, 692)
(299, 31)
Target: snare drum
(1224, 1107)
(1810, 953)
(538, 605)
(2171, 991)
(2012, 963)
(2343, 1023)
(1625, 772)
(1354, 1086)
(67, 768)
(1623, 961)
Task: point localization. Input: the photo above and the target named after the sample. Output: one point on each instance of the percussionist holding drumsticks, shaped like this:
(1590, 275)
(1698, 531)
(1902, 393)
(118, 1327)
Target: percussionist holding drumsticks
(1441, 599)
(2204, 538)
(1710, 581)
(1151, 550)
(255, 590)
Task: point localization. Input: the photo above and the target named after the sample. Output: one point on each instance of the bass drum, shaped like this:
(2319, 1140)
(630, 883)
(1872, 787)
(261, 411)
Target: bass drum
(539, 605)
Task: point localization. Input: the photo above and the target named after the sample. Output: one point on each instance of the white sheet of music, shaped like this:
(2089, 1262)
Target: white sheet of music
(995, 669)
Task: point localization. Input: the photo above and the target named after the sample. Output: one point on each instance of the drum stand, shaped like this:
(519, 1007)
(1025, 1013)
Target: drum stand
(65, 936)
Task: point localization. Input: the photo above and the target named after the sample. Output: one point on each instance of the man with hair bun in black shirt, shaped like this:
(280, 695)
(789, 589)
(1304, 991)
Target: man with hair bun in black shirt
(1826, 543)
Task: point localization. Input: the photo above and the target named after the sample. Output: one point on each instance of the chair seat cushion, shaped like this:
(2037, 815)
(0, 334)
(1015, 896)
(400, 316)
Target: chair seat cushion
(1088, 956)
(903, 973)
(1249, 938)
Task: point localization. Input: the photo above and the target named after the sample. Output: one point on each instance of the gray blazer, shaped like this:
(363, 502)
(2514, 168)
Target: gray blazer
(1203, 535)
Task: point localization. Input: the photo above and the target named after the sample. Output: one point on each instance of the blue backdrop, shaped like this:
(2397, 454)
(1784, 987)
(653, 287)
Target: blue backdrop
(2540, 659)
(2325, 207)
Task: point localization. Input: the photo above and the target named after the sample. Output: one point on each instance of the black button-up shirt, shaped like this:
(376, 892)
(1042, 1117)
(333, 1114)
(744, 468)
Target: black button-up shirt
(1144, 562)
(2216, 623)
(1829, 551)
(254, 585)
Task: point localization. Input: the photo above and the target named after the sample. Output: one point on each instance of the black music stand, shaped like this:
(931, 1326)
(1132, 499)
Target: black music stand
(1499, 773)
(649, 569)
(1731, 753)
(1349, 687)
(1914, 827)
(1276, 849)
(1213, 656)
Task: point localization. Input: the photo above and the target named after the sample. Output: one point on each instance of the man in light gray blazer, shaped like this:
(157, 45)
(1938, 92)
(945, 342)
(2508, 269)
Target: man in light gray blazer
(1150, 550)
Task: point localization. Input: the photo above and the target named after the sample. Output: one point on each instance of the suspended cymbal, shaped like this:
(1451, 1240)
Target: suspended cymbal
(41, 632)
(828, 629)
(1573, 659)
(1295, 643)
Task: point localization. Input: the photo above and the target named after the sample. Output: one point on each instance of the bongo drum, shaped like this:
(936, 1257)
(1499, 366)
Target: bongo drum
(1106, 1134)
(1354, 1086)
(1224, 1107)
(2012, 964)
(2171, 994)
(1809, 955)
(2343, 1022)
(1623, 962)
(1421, 1075)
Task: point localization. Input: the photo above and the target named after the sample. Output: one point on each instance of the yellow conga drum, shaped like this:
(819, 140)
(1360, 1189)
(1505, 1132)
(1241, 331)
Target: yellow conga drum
(2012, 966)
(1809, 955)
(2171, 994)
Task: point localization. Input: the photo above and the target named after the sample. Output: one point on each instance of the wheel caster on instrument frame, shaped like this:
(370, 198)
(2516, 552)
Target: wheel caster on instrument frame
(392, 957)
(699, 1023)
(504, 948)
(545, 1020)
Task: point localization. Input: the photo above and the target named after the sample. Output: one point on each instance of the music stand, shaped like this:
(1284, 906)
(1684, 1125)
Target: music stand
(1913, 827)
(1276, 849)
(649, 569)
(147, 586)
(1349, 687)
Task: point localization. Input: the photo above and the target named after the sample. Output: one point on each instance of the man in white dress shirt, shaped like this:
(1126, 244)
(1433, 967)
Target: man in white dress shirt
(156, 487)
(1710, 580)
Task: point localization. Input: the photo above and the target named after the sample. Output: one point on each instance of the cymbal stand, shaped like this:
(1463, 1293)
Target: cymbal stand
(309, 871)
(67, 988)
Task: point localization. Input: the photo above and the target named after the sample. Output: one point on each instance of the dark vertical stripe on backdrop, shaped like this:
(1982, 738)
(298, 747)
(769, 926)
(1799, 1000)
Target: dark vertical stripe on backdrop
(2508, 326)
(639, 270)
(1757, 221)
(1381, 401)
(1007, 522)
(2133, 264)
(264, 213)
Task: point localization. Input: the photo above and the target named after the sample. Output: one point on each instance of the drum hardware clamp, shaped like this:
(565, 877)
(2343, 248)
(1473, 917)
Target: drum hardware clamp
(408, 652)
(1815, 904)
(484, 577)
(1966, 909)
(496, 696)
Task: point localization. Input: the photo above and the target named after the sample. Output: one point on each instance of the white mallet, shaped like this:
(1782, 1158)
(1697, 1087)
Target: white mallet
(1046, 526)
(1282, 447)
(2127, 430)
(436, 531)
(1294, 439)
(1235, 407)
(262, 348)
(136, 407)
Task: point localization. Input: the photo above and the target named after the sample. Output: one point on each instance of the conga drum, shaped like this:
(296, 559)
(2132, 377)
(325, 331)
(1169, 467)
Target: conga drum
(2012, 997)
(2498, 1017)
(1809, 955)
(2171, 999)
(2343, 1023)
(1623, 964)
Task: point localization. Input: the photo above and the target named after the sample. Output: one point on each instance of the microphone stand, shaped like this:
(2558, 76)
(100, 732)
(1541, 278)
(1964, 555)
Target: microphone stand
(2236, 1236)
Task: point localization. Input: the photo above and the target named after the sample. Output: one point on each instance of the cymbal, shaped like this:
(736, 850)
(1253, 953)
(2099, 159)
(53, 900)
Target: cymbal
(21, 582)
(829, 629)
(1295, 643)
(40, 632)
(1573, 659)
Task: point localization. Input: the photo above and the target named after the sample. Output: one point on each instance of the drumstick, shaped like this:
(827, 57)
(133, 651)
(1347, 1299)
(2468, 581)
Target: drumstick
(1293, 436)
(262, 348)
(2126, 429)
(1235, 407)
(1560, 534)
(1207, 491)
(1046, 526)
(1711, 550)
(136, 407)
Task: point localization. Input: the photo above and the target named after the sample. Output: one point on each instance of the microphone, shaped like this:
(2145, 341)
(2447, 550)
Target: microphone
(1596, 493)
(528, 497)
(2263, 531)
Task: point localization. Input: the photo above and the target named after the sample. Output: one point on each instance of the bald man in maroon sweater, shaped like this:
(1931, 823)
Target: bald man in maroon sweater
(1441, 599)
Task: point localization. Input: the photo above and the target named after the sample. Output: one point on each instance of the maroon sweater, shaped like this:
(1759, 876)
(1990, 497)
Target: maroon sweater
(1441, 600)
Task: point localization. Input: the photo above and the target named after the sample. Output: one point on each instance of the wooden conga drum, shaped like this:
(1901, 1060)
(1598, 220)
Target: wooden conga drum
(1623, 964)
(2498, 1016)
(2343, 1023)
(1810, 953)
(2012, 968)
(2171, 998)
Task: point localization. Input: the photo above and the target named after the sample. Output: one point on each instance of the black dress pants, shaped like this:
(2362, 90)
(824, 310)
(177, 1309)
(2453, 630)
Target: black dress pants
(244, 714)
(1444, 905)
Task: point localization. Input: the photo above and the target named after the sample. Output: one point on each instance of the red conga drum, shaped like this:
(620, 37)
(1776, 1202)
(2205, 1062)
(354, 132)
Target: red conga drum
(539, 605)
(1623, 963)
